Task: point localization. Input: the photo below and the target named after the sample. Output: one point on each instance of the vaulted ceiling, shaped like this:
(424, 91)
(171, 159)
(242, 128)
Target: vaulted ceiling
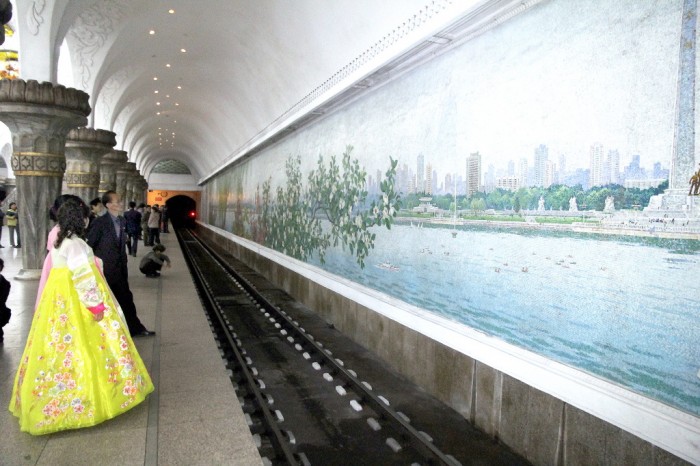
(201, 82)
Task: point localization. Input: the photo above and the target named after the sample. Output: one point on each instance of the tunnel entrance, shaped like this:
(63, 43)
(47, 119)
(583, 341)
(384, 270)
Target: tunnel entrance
(181, 211)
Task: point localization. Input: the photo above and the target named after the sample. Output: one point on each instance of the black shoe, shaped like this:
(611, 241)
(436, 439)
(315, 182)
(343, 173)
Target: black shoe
(143, 333)
(17, 246)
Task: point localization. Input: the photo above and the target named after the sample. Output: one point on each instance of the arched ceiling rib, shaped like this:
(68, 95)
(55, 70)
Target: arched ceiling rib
(245, 63)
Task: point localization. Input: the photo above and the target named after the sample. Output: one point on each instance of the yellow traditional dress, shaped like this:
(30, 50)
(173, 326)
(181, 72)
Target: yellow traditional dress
(75, 371)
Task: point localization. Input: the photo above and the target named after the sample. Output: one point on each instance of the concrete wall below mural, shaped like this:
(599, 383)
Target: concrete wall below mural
(544, 428)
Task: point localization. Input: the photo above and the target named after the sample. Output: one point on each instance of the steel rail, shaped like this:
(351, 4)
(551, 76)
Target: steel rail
(277, 437)
(410, 435)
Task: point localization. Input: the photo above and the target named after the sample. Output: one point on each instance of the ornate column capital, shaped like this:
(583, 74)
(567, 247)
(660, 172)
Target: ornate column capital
(84, 149)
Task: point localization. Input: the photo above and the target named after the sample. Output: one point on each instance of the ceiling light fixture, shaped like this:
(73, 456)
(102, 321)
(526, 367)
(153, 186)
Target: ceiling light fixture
(156, 91)
(179, 87)
(151, 32)
(171, 11)
(155, 78)
(183, 50)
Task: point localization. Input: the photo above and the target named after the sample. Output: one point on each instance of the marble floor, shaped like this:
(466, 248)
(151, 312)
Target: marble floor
(192, 418)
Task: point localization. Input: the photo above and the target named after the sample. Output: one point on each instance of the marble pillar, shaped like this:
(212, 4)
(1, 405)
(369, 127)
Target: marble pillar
(39, 116)
(84, 150)
(108, 170)
(131, 180)
(122, 174)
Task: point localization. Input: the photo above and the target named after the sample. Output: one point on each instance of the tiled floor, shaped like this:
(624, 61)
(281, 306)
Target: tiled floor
(192, 418)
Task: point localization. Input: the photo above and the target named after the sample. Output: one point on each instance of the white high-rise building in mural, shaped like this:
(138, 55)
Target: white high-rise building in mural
(522, 172)
(428, 183)
(541, 157)
(614, 166)
(473, 173)
(597, 166)
(420, 172)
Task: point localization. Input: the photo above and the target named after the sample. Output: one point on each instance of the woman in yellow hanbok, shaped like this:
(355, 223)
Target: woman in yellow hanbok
(80, 366)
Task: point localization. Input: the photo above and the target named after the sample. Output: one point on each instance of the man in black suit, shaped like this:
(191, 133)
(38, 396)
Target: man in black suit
(107, 238)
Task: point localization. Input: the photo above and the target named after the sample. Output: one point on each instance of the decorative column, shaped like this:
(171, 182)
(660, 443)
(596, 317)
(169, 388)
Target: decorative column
(131, 180)
(84, 149)
(122, 173)
(144, 190)
(39, 116)
(108, 170)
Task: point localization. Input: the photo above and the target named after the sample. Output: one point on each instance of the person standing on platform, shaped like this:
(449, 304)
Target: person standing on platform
(2, 218)
(154, 226)
(107, 238)
(133, 228)
(144, 224)
(96, 209)
(164, 219)
(5, 312)
(13, 225)
(79, 367)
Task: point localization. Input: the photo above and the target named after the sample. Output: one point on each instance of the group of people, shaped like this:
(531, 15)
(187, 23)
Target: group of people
(80, 366)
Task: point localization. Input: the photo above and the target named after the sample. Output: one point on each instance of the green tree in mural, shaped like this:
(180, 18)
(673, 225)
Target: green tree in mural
(334, 192)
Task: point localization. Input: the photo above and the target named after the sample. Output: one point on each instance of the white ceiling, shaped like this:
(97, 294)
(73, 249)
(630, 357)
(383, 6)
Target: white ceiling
(247, 63)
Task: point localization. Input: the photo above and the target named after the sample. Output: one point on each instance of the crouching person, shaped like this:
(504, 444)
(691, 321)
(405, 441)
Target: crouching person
(153, 261)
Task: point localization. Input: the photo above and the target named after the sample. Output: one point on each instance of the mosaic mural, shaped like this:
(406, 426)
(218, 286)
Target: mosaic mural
(517, 185)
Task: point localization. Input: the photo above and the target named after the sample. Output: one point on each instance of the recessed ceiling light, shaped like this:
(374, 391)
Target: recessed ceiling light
(171, 11)
(183, 50)
(179, 87)
(167, 65)
(155, 78)
(157, 113)
(151, 32)
(176, 104)
(156, 91)
(167, 96)
(157, 103)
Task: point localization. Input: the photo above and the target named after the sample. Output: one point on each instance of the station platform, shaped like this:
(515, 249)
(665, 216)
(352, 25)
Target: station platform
(193, 417)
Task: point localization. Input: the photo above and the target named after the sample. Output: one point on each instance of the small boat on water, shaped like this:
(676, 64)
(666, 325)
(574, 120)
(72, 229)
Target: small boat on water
(387, 266)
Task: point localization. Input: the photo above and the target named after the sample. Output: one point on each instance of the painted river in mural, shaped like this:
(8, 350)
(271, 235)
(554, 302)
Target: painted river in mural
(625, 309)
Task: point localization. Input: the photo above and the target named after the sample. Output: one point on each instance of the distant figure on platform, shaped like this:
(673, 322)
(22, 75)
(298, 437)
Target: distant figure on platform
(540, 204)
(153, 261)
(107, 237)
(13, 225)
(154, 226)
(5, 312)
(96, 209)
(79, 366)
(144, 224)
(133, 228)
(164, 219)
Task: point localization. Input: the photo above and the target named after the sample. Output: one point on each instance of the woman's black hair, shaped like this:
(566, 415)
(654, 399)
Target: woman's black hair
(71, 219)
(53, 211)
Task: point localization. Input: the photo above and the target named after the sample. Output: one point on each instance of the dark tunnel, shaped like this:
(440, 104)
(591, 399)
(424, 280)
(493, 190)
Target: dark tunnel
(182, 211)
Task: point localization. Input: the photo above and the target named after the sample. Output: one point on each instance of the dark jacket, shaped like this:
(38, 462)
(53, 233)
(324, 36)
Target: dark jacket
(104, 242)
(133, 222)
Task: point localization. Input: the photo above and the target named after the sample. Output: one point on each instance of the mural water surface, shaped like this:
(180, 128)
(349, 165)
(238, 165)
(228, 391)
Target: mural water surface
(517, 185)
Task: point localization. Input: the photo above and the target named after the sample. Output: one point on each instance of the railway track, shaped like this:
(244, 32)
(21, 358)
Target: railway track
(312, 396)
